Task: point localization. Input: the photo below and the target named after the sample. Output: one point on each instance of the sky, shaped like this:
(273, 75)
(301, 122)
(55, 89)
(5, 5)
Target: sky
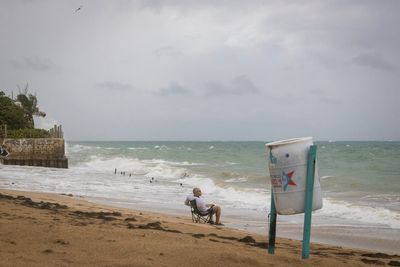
(207, 70)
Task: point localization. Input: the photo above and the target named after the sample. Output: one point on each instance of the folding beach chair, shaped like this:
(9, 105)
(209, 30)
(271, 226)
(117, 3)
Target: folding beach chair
(198, 216)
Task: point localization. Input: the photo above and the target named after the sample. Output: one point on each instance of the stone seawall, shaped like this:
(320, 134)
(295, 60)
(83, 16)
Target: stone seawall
(45, 152)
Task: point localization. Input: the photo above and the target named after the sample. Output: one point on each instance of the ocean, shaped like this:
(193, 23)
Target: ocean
(360, 181)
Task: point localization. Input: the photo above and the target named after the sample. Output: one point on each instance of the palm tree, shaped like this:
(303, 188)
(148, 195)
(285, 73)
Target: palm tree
(28, 103)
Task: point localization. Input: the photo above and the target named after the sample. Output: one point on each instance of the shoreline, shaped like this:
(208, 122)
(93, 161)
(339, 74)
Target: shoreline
(366, 237)
(63, 229)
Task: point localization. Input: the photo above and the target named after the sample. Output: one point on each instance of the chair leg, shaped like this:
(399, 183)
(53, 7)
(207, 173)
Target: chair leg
(200, 219)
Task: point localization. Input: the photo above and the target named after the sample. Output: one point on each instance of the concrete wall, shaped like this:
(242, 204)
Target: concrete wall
(46, 152)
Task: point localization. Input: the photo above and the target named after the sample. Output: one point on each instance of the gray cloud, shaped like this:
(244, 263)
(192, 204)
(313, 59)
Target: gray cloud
(323, 97)
(240, 85)
(373, 60)
(168, 51)
(33, 63)
(115, 86)
(174, 89)
(202, 46)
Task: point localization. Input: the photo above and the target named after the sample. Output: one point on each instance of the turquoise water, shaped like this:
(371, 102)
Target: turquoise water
(369, 167)
(360, 180)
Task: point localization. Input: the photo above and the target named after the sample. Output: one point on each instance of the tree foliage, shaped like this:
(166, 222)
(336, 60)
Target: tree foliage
(18, 115)
(29, 105)
(11, 114)
(28, 133)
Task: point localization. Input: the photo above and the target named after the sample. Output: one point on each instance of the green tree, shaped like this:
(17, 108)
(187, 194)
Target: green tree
(29, 106)
(11, 114)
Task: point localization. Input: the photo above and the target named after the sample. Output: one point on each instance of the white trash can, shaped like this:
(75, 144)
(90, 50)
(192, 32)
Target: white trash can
(287, 162)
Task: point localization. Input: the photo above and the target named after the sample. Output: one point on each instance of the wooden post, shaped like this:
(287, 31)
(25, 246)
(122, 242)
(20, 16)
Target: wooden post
(272, 226)
(312, 154)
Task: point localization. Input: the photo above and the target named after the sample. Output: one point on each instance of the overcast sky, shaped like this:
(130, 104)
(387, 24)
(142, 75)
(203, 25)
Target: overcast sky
(207, 70)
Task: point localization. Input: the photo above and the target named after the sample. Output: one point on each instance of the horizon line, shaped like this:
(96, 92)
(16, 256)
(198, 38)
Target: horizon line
(157, 140)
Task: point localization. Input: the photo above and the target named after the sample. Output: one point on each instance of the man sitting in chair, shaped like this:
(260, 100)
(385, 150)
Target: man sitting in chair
(203, 207)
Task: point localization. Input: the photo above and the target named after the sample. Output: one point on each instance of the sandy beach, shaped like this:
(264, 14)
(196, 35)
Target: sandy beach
(40, 229)
(113, 112)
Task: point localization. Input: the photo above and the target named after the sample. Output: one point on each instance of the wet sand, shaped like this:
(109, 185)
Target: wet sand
(359, 236)
(39, 229)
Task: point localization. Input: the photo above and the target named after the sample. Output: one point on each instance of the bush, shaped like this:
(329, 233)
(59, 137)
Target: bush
(28, 133)
(11, 114)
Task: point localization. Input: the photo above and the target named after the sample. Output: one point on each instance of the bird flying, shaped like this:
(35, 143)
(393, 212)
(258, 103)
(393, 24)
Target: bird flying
(79, 8)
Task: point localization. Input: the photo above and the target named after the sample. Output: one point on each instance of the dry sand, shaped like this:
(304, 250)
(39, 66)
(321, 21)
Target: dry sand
(38, 229)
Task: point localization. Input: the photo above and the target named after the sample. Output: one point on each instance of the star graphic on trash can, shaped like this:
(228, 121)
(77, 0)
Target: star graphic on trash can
(287, 179)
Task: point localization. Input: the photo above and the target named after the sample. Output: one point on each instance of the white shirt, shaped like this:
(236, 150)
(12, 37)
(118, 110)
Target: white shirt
(200, 203)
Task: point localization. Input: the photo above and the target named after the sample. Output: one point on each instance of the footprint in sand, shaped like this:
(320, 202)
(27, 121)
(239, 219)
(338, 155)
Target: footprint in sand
(47, 251)
(61, 242)
(375, 262)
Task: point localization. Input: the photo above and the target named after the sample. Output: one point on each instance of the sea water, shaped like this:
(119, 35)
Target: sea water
(360, 180)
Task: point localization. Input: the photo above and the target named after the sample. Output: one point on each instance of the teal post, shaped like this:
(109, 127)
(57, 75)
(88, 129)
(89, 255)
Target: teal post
(272, 226)
(312, 155)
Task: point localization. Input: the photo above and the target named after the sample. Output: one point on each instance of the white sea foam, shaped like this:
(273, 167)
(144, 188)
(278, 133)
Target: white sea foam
(174, 163)
(166, 172)
(121, 164)
(326, 177)
(365, 214)
(237, 180)
(77, 148)
(207, 184)
(255, 199)
(226, 164)
(93, 175)
(95, 178)
(138, 148)
(159, 169)
(162, 147)
(186, 163)
(66, 149)
(388, 198)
